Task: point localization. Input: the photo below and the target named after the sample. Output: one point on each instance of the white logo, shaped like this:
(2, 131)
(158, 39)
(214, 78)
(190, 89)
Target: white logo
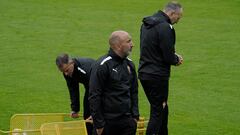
(115, 70)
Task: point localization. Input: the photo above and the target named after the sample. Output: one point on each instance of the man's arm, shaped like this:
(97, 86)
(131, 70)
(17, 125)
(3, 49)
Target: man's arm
(134, 93)
(167, 44)
(96, 85)
(73, 88)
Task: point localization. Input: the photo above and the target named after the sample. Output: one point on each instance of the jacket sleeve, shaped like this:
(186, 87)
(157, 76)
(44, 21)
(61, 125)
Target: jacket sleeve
(167, 39)
(134, 94)
(73, 88)
(98, 78)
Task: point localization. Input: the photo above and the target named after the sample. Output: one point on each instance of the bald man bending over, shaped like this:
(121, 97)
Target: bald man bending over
(114, 89)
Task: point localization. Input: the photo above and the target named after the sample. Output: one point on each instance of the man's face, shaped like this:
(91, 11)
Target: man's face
(176, 16)
(67, 69)
(126, 44)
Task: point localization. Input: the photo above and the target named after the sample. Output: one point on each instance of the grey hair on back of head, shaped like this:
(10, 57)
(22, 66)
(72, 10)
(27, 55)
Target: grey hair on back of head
(173, 5)
(62, 59)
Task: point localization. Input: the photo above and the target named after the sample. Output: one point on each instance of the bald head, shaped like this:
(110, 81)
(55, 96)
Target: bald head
(121, 43)
(116, 37)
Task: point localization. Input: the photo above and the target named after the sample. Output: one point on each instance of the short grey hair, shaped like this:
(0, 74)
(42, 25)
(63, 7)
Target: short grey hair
(62, 59)
(172, 6)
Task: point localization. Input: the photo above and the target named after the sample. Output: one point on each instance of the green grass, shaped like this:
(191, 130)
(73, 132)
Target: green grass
(204, 92)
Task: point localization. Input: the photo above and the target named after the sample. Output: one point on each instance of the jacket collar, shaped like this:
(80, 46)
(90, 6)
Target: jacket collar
(114, 55)
(165, 16)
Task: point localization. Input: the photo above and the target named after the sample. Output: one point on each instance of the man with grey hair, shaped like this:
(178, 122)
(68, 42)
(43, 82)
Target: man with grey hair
(113, 93)
(157, 54)
(75, 71)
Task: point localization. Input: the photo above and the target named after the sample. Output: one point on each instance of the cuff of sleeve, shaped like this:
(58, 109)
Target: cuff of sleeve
(177, 60)
(99, 124)
(73, 112)
(136, 117)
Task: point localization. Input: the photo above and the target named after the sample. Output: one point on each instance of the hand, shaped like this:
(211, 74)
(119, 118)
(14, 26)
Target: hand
(89, 119)
(74, 115)
(99, 131)
(180, 58)
(135, 120)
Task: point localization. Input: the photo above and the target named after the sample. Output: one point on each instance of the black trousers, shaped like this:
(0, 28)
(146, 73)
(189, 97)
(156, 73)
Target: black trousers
(157, 94)
(86, 112)
(123, 126)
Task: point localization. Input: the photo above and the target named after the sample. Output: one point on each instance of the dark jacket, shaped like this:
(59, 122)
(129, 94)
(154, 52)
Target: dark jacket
(113, 89)
(81, 74)
(157, 46)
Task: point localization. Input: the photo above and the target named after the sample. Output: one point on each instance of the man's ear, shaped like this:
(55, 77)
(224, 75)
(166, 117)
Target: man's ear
(119, 46)
(116, 47)
(172, 13)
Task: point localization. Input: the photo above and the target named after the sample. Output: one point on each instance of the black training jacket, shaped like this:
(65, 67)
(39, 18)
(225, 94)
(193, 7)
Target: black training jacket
(157, 46)
(81, 74)
(113, 92)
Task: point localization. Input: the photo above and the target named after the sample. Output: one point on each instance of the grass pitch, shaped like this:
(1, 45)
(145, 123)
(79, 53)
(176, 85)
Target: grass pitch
(204, 91)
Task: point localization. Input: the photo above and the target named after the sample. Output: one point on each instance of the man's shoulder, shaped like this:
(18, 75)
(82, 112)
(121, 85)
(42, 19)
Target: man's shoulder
(101, 64)
(165, 28)
(103, 60)
(163, 24)
(84, 60)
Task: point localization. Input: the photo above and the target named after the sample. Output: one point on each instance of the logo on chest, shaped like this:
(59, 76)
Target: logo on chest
(128, 69)
(115, 70)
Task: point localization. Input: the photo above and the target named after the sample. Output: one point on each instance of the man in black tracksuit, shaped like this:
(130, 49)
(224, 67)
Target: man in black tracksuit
(75, 71)
(114, 89)
(157, 54)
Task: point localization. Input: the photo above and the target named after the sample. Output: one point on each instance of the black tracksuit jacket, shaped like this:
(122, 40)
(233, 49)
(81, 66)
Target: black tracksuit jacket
(81, 74)
(157, 47)
(113, 89)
